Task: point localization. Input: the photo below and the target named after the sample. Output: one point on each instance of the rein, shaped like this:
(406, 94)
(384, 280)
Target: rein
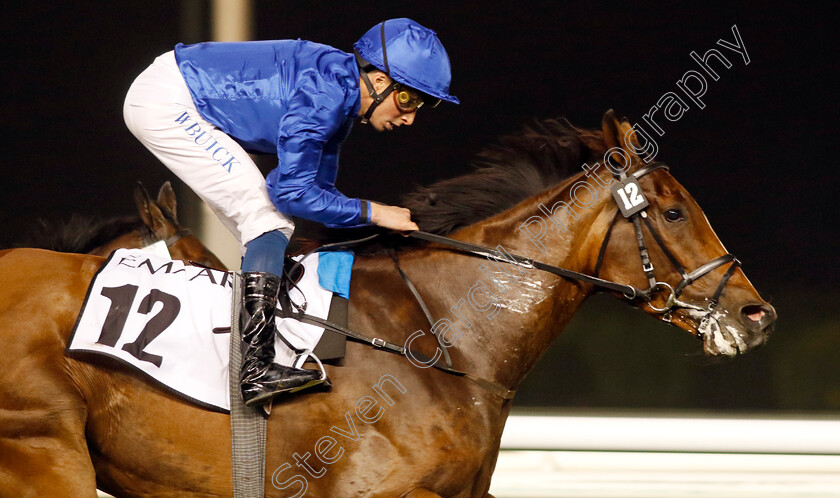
(487, 252)
(637, 217)
(630, 292)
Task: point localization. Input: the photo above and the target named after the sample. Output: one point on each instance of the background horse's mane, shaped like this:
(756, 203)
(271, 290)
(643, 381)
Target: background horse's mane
(82, 234)
(518, 166)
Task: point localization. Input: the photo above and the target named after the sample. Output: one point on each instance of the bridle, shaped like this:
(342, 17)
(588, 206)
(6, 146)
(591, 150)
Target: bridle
(171, 240)
(637, 217)
(672, 302)
(180, 234)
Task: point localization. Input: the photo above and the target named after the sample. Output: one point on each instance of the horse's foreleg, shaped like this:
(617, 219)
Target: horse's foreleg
(43, 451)
(41, 458)
(422, 493)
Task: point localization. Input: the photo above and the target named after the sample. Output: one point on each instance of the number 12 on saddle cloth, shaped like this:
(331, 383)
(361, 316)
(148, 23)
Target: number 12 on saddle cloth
(158, 316)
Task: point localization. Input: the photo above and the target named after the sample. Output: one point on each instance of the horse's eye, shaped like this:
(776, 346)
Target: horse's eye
(674, 215)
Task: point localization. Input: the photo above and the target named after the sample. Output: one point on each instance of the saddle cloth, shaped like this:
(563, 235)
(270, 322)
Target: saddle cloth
(171, 321)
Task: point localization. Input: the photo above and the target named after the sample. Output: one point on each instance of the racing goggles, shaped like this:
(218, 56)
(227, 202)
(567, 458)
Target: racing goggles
(409, 100)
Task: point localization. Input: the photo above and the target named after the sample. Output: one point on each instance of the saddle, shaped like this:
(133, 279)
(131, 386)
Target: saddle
(332, 346)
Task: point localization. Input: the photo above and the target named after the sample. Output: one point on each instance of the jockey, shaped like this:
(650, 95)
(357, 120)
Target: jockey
(199, 108)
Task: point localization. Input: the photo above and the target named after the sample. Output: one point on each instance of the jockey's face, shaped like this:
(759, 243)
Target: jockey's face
(387, 116)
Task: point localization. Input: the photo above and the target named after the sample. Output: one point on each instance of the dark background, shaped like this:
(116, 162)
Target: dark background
(759, 158)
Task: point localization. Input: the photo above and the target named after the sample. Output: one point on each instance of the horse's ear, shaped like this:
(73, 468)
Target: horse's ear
(149, 211)
(142, 201)
(628, 134)
(610, 125)
(615, 132)
(166, 199)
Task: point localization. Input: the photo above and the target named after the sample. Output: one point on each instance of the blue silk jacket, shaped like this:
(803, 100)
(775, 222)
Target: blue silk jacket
(295, 98)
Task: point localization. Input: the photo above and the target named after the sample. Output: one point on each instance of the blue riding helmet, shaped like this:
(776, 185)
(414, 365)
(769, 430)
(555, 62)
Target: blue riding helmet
(412, 55)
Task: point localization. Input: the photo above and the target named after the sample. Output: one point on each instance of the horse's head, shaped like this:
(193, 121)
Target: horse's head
(160, 217)
(693, 282)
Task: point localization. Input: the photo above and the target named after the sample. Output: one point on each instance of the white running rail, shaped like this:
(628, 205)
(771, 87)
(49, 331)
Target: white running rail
(673, 433)
(668, 456)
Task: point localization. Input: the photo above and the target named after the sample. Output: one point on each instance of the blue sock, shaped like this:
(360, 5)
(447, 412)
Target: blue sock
(265, 253)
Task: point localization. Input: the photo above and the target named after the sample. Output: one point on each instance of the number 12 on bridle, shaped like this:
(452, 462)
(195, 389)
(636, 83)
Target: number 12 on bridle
(629, 197)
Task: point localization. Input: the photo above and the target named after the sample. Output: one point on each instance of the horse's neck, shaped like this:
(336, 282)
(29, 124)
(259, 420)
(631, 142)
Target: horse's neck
(503, 340)
(132, 239)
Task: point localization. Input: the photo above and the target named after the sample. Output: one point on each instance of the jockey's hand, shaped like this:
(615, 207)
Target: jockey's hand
(393, 217)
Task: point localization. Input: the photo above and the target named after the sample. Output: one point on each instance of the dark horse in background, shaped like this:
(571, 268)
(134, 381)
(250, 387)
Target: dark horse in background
(157, 220)
(387, 427)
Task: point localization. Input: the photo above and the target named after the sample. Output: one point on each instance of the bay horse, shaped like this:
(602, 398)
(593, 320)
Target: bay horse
(157, 221)
(388, 427)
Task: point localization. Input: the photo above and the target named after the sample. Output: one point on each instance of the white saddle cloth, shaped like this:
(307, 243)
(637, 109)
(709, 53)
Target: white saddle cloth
(172, 322)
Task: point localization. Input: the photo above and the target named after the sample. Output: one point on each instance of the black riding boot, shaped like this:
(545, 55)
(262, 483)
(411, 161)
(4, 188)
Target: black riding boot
(261, 379)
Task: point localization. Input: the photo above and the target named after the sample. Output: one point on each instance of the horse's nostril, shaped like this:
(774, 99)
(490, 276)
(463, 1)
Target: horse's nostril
(754, 313)
(757, 314)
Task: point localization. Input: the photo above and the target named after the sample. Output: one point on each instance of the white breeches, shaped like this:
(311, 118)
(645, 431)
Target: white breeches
(159, 111)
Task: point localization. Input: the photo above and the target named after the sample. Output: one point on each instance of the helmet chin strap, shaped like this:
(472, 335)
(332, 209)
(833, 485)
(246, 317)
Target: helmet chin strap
(365, 66)
(378, 98)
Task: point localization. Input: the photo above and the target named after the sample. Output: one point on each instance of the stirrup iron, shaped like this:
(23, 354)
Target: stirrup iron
(301, 358)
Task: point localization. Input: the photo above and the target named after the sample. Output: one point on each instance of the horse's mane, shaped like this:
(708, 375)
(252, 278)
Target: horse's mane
(518, 166)
(81, 234)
